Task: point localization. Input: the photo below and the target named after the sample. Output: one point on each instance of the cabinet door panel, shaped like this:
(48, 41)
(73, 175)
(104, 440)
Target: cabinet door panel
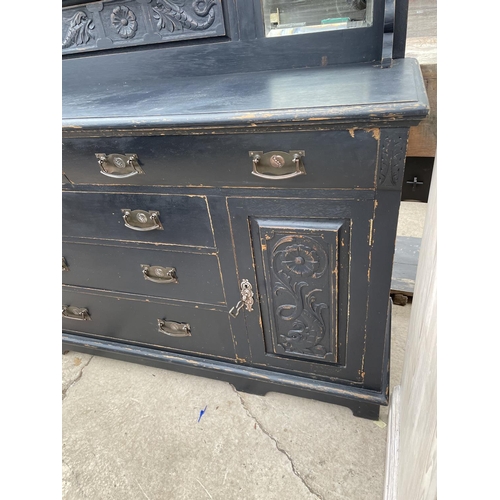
(308, 264)
(302, 260)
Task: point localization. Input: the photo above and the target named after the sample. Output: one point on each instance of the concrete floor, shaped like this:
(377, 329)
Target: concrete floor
(132, 432)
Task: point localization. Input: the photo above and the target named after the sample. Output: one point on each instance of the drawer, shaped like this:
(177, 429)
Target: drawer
(196, 277)
(136, 321)
(185, 220)
(333, 159)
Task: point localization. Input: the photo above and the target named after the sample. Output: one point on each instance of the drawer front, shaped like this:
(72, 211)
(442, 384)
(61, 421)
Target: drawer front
(184, 220)
(196, 277)
(136, 321)
(332, 159)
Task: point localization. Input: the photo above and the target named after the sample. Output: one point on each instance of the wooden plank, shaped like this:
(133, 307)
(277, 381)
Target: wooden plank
(390, 481)
(407, 250)
(404, 270)
(422, 45)
(411, 472)
(423, 138)
(418, 423)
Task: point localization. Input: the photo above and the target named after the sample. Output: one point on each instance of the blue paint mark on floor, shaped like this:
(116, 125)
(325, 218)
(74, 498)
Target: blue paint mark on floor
(202, 412)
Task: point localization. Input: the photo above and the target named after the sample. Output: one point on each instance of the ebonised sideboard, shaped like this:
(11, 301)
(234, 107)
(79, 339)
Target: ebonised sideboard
(227, 221)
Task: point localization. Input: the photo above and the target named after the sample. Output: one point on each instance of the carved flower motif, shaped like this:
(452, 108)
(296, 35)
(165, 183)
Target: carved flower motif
(300, 259)
(124, 21)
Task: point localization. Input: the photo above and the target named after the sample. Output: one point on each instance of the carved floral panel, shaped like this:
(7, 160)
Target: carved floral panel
(301, 274)
(118, 23)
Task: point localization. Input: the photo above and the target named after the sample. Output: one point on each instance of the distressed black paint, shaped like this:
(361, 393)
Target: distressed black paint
(316, 249)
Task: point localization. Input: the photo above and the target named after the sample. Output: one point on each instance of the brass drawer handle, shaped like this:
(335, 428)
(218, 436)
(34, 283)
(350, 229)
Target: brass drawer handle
(65, 266)
(174, 329)
(140, 220)
(246, 301)
(159, 274)
(277, 164)
(119, 166)
(78, 313)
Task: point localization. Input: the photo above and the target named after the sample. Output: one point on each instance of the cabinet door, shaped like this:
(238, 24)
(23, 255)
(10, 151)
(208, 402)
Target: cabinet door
(307, 261)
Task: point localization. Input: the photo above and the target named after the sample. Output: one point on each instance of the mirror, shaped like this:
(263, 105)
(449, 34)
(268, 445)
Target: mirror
(294, 17)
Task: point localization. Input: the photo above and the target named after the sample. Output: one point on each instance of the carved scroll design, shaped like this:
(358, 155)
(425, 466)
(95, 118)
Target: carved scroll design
(392, 160)
(127, 23)
(79, 30)
(299, 265)
(171, 16)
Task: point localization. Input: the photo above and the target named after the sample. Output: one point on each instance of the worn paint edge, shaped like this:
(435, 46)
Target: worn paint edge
(130, 352)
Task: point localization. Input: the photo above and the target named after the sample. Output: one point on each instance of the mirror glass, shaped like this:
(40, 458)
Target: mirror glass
(295, 17)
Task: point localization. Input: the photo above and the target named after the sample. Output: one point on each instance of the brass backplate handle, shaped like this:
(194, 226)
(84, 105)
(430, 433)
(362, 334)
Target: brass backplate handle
(246, 301)
(174, 329)
(78, 313)
(159, 274)
(119, 166)
(141, 220)
(277, 164)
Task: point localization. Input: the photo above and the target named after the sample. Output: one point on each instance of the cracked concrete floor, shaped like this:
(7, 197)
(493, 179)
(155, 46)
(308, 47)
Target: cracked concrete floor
(132, 432)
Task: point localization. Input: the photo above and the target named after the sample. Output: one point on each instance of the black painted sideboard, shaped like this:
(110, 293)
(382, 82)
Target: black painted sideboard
(234, 224)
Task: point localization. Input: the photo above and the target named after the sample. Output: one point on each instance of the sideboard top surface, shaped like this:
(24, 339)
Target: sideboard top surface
(346, 94)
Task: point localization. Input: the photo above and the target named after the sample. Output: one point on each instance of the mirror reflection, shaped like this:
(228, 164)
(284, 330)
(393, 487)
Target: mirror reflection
(294, 17)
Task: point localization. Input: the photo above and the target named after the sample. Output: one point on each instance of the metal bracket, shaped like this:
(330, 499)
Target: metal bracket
(415, 182)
